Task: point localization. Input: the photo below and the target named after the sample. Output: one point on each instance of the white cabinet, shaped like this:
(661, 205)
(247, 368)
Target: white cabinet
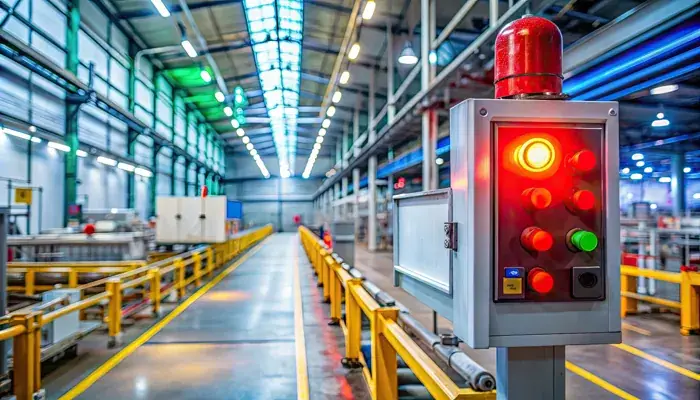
(191, 220)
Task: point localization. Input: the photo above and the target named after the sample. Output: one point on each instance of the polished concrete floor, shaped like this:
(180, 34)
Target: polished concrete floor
(670, 368)
(237, 341)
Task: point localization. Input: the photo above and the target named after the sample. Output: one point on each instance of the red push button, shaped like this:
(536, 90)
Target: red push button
(540, 281)
(583, 200)
(583, 161)
(537, 198)
(536, 239)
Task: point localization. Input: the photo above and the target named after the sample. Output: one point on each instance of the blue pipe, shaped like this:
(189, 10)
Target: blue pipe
(641, 56)
(652, 82)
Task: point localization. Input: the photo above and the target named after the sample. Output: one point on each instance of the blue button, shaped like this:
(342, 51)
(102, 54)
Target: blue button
(514, 272)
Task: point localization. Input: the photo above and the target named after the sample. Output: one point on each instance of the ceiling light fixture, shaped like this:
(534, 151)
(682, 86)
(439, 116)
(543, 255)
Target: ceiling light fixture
(369, 10)
(162, 9)
(337, 96)
(344, 77)
(354, 51)
(408, 56)
(663, 89)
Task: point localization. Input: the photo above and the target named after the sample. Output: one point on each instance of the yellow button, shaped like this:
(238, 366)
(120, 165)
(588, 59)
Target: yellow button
(512, 286)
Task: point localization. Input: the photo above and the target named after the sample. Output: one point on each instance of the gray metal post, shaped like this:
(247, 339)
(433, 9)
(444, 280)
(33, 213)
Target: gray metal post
(4, 213)
(356, 197)
(429, 118)
(336, 196)
(372, 175)
(391, 106)
(531, 373)
(678, 184)
(344, 194)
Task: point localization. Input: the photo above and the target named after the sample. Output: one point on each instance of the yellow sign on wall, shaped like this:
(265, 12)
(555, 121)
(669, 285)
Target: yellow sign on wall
(23, 195)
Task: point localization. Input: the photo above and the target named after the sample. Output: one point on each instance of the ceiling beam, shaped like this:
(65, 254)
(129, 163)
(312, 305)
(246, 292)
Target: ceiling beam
(174, 9)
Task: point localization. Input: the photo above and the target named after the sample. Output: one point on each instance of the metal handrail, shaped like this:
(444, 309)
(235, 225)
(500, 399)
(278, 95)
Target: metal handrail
(13, 331)
(77, 306)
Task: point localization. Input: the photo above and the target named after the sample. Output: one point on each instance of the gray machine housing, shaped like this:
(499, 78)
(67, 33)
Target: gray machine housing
(463, 290)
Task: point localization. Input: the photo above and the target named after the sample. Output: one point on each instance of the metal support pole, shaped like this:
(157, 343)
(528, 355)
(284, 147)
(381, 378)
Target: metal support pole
(356, 130)
(356, 197)
(531, 373)
(336, 197)
(493, 12)
(72, 108)
(429, 118)
(391, 106)
(372, 175)
(678, 184)
(344, 194)
(4, 213)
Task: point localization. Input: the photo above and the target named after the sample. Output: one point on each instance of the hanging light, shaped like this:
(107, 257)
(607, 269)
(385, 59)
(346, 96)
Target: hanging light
(249, 146)
(319, 139)
(228, 111)
(408, 56)
(245, 139)
(205, 76)
(220, 97)
(240, 132)
(189, 49)
(235, 124)
(321, 132)
(369, 10)
(663, 89)
(326, 123)
(354, 51)
(344, 77)
(337, 96)
(330, 111)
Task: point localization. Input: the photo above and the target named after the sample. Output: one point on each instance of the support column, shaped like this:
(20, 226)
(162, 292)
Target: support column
(336, 196)
(529, 373)
(343, 195)
(131, 133)
(372, 175)
(72, 108)
(429, 118)
(153, 182)
(678, 184)
(391, 106)
(356, 197)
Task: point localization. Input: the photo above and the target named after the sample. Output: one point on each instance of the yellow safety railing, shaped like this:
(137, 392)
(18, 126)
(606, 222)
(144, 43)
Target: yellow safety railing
(689, 304)
(71, 269)
(389, 340)
(179, 272)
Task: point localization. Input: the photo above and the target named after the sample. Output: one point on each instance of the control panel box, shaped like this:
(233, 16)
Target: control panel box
(191, 220)
(531, 230)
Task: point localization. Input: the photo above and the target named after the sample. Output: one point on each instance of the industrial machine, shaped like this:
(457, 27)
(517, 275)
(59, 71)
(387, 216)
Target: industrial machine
(522, 252)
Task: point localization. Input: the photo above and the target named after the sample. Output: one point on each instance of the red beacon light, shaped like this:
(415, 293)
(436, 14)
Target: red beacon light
(528, 62)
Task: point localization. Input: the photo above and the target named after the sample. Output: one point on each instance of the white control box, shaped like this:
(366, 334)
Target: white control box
(191, 220)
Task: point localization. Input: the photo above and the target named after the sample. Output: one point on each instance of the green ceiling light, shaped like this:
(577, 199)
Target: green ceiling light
(239, 97)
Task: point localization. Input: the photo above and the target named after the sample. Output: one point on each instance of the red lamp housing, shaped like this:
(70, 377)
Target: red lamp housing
(528, 59)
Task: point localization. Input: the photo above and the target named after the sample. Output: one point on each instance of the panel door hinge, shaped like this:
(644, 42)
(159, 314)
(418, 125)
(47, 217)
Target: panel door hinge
(451, 235)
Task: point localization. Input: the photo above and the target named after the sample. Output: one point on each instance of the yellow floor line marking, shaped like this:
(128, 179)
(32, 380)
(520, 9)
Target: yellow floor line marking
(600, 382)
(131, 347)
(634, 328)
(299, 338)
(659, 361)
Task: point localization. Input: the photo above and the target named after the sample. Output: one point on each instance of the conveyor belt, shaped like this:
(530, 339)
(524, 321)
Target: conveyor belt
(236, 341)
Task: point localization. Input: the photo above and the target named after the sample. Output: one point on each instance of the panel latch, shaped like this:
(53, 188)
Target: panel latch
(451, 235)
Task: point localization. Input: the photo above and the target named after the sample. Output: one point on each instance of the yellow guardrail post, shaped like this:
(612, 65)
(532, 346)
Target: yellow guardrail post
(197, 269)
(326, 268)
(318, 262)
(155, 291)
(210, 261)
(114, 287)
(180, 278)
(353, 321)
(690, 302)
(25, 363)
(628, 305)
(29, 283)
(73, 279)
(384, 361)
(336, 297)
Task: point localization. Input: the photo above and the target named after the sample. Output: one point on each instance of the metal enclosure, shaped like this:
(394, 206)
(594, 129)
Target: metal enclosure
(191, 220)
(483, 315)
(343, 234)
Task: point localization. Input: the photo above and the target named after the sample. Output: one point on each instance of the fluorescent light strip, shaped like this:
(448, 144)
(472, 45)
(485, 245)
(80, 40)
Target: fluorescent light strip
(126, 167)
(106, 161)
(189, 49)
(59, 146)
(81, 153)
(162, 9)
(18, 134)
(143, 172)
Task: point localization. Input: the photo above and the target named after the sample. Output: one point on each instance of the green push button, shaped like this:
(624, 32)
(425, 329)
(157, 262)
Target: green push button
(584, 240)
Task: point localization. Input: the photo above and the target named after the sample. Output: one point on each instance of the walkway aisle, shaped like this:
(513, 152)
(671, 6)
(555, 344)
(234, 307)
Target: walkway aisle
(238, 341)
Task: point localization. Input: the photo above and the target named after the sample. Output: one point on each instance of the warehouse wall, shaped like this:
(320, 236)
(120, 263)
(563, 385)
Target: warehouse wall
(29, 100)
(274, 200)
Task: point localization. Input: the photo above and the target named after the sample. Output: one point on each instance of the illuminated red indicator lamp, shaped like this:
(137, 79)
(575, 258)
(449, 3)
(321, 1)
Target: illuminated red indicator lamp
(583, 200)
(536, 239)
(537, 198)
(583, 161)
(540, 281)
(535, 155)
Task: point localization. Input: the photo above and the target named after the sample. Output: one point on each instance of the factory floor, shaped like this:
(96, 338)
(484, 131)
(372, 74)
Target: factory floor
(259, 331)
(654, 362)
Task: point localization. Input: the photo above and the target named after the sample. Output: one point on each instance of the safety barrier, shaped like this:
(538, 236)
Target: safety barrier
(689, 304)
(25, 326)
(388, 339)
(72, 271)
